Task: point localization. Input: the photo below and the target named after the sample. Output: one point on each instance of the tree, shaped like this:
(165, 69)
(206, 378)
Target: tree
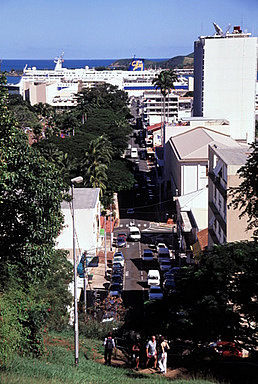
(245, 195)
(96, 161)
(165, 82)
(31, 191)
(217, 298)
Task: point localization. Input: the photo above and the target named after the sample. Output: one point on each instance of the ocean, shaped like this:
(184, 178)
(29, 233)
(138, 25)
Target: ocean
(9, 64)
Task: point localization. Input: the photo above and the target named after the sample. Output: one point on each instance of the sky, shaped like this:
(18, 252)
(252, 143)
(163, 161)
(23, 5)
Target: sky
(113, 29)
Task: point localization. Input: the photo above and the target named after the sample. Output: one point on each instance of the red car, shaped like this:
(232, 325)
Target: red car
(122, 235)
(227, 349)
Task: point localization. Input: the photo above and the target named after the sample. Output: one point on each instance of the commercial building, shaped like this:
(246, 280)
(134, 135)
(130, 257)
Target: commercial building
(225, 74)
(224, 224)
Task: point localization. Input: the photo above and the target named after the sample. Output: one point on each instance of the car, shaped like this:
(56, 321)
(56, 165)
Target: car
(172, 272)
(155, 293)
(153, 277)
(117, 266)
(147, 254)
(165, 265)
(163, 254)
(118, 272)
(161, 245)
(118, 260)
(119, 253)
(169, 284)
(117, 278)
(122, 235)
(226, 349)
(130, 211)
(115, 289)
(120, 242)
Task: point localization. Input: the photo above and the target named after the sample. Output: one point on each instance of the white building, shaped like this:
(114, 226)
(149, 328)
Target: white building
(87, 223)
(225, 72)
(153, 107)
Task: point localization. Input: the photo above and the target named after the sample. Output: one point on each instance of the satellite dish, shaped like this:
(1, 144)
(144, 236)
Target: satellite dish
(218, 29)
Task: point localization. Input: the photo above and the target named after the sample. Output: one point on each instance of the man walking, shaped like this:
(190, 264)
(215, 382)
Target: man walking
(109, 344)
(151, 351)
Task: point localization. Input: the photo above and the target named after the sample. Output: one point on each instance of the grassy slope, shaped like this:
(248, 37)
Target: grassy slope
(57, 366)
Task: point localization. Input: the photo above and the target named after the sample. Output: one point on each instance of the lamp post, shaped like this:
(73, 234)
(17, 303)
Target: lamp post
(75, 180)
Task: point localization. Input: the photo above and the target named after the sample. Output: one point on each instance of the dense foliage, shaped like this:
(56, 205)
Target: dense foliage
(245, 196)
(214, 299)
(94, 137)
(31, 192)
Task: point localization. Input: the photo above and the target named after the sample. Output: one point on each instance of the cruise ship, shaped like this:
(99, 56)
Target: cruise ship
(59, 86)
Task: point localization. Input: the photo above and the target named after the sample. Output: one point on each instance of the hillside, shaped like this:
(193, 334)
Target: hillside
(174, 62)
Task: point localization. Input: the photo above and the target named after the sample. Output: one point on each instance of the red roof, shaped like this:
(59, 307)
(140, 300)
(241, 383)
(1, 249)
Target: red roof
(154, 127)
(202, 237)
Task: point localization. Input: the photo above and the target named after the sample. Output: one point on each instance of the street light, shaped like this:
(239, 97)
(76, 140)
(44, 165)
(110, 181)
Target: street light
(75, 180)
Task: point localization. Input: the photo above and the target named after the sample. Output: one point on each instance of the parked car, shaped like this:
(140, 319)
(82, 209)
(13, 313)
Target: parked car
(147, 254)
(153, 277)
(172, 272)
(161, 245)
(165, 265)
(118, 260)
(169, 284)
(118, 253)
(117, 266)
(130, 211)
(117, 278)
(115, 290)
(122, 235)
(120, 242)
(155, 293)
(226, 349)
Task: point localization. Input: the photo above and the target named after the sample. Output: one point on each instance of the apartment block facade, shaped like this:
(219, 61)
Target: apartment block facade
(224, 224)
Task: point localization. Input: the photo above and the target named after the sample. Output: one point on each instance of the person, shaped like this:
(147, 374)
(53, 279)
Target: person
(136, 353)
(151, 351)
(164, 347)
(109, 344)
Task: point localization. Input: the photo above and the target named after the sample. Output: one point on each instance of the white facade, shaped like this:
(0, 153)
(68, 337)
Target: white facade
(225, 81)
(153, 107)
(87, 223)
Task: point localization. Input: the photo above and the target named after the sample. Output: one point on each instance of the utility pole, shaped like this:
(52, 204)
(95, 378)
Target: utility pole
(111, 232)
(105, 240)
(85, 281)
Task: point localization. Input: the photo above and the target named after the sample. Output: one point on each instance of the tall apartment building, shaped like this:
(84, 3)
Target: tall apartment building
(225, 72)
(153, 107)
(224, 224)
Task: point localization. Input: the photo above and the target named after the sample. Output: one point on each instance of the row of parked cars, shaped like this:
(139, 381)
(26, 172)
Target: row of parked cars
(117, 275)
(165, 274)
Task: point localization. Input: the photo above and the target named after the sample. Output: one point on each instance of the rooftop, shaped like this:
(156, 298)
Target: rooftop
(84, 198)
(232, 155)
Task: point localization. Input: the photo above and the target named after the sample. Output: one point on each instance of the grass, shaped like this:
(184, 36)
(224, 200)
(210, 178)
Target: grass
(56, 366)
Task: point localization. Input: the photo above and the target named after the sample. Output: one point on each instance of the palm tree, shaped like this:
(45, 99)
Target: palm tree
(96, 161)
(165, 82)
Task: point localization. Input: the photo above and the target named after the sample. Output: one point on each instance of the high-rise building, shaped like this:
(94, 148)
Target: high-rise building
(225, 73)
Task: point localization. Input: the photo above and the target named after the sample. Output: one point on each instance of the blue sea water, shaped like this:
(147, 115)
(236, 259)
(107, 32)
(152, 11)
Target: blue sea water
(9, 64)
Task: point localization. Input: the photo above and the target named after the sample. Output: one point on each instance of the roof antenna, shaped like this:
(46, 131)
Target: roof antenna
(218, 29)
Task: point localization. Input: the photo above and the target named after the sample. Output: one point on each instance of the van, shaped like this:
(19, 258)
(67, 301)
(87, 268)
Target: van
(153, 277)
(134, 233)
(134, 153)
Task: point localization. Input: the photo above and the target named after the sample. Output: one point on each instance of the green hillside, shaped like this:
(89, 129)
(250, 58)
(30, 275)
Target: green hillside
(174, 62)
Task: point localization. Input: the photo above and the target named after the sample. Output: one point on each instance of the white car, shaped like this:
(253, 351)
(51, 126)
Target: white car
(161, 245)
(119, 259)
(155, 293)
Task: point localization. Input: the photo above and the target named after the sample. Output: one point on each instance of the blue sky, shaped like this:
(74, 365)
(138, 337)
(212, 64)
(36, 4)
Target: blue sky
(99, 29)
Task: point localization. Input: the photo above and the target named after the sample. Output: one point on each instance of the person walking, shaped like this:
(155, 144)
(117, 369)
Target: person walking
(164, 347)
(109, 344)
(136, 353)
(151, 351)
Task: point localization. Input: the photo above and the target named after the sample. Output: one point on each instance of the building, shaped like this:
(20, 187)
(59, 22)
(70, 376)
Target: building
(225, 74)
(87, 223)
(153, 107)
(186, 165)
(224, 224)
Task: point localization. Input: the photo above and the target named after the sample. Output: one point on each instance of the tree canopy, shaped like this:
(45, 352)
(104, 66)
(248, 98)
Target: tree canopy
(245, 196)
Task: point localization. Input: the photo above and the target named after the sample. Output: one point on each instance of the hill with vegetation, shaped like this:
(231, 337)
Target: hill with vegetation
(174, 62)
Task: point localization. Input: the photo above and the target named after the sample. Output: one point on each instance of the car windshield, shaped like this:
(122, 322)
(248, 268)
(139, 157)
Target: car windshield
(155, 290)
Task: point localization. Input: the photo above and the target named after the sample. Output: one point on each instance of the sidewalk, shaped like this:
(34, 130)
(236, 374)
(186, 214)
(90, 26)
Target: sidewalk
(99, 280)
